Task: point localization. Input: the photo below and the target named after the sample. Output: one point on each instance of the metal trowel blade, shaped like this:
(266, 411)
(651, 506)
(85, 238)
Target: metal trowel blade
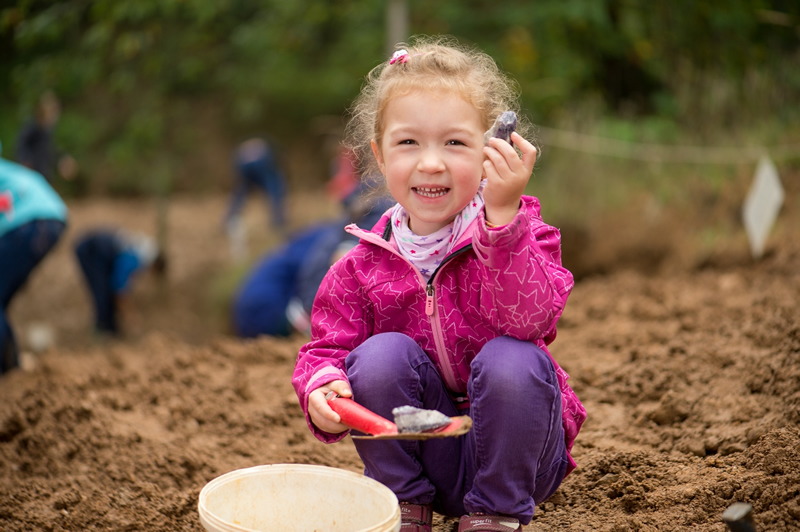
(458, 426)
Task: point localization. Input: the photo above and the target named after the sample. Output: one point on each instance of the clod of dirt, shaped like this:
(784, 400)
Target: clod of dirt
(671, 409)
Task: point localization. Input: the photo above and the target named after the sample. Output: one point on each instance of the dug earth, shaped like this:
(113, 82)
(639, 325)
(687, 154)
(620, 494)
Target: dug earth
(690, 376)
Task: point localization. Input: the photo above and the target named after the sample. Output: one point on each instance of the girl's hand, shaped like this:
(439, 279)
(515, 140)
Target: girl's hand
(507, 175)
(323, 417)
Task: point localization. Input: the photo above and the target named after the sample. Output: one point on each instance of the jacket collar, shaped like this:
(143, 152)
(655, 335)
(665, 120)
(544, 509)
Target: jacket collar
(383, 230)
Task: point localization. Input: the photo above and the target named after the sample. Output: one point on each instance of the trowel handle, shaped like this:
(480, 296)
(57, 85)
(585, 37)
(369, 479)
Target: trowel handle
(358, 417)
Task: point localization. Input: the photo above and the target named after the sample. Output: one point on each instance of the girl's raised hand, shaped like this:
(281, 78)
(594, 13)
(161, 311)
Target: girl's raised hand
(323, 417)
(506, 177)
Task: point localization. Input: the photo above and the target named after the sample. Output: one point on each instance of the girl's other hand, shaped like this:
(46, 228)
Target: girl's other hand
(507, 176)
(323, 417)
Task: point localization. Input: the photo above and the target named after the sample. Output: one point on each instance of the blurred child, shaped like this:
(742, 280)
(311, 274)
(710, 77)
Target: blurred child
(449, 302)
(265, 303)
(109, 260)
(257, 167)
(35, 146)
(276, 297)
(32, 219)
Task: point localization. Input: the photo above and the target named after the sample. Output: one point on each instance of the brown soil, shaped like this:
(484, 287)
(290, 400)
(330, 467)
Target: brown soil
(690, 373)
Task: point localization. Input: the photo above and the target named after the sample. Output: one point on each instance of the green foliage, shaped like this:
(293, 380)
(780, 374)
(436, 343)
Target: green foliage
(632, 69)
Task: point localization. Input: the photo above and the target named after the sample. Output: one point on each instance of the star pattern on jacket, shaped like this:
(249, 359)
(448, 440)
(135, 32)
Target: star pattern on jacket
(511, 283)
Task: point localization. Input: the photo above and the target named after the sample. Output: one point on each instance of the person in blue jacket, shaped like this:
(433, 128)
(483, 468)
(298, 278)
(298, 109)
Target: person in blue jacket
(257, 167)
(32, 219)
(109, 260)
(277, 296)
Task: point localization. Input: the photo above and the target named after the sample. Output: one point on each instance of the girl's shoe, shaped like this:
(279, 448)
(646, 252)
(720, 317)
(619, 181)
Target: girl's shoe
(487, 523)
(415, 517)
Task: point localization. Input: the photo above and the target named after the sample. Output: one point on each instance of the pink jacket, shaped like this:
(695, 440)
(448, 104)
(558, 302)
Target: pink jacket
(506, 281)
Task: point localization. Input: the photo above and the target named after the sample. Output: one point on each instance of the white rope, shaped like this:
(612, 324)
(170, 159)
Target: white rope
(663, 153)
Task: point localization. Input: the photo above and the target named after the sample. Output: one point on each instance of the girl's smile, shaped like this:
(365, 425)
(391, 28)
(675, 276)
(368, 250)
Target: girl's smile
(431, 154)
(431, 192)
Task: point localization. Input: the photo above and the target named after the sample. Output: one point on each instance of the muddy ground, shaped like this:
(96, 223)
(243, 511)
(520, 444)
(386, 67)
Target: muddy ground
(688, 365)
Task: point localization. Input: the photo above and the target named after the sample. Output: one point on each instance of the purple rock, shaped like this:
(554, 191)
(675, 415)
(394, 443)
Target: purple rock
(503, 127)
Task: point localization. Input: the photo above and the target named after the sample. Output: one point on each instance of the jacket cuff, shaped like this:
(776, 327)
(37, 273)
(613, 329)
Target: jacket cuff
(321, 378)
(506, 236)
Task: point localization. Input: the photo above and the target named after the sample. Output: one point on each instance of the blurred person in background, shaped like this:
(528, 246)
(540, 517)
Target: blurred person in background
(35, 144)
(256, 167)
(109, 260)
(32, 219)
(277, 296)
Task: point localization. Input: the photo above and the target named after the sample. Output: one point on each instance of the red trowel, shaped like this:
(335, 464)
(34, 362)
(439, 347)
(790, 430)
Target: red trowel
(410, 423)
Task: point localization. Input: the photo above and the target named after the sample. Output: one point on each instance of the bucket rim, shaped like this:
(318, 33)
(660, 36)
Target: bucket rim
(206, 516)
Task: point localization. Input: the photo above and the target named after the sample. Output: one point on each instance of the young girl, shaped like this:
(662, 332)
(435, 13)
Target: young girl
(449, 302)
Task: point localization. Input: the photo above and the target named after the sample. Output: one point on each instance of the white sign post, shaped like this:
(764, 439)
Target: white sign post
(762, 205)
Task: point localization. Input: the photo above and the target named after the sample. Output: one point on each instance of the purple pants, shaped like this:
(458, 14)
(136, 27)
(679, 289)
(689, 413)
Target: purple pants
(513, 457)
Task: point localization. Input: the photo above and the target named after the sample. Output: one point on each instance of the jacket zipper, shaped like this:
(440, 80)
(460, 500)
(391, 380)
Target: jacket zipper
(438, 336)
(430, 299)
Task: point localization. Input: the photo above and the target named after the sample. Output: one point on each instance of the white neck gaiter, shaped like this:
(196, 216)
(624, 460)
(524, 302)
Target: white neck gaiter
(426, 252)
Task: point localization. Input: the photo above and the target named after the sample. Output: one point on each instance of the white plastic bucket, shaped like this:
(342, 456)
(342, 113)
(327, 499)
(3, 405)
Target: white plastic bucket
(305, 498)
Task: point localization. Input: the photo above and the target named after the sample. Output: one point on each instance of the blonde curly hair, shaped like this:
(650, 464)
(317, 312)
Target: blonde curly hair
(435, 64)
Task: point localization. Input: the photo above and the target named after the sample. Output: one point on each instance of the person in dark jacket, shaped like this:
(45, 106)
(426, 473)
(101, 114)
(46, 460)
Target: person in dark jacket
(35, 145)
(257, 167)
(277, 296)
(109, 260)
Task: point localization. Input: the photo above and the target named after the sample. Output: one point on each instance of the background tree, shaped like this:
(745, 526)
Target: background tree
(148, 85)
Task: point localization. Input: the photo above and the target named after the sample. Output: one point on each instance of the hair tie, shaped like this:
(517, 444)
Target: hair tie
(399, 55)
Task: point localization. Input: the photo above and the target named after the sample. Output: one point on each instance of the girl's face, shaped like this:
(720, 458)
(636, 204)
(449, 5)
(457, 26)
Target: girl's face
(431, 154)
